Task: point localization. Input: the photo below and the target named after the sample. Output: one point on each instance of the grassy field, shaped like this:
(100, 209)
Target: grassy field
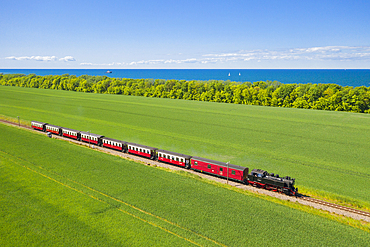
(55, 193)
(327, 152)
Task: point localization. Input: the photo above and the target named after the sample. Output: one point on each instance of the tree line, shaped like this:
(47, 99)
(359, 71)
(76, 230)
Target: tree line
(331, 97)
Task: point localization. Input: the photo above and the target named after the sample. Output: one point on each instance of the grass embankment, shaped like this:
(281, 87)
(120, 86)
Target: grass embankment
(327, 152)
(55, 193)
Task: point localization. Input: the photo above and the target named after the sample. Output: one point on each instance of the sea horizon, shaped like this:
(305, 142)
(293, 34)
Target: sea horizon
(343, 77)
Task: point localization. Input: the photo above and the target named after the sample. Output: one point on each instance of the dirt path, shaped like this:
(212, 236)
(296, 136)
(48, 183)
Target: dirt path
(337, 209)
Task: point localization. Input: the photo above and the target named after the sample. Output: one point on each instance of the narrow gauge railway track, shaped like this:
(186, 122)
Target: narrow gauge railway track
(302, 199)
(336, 206)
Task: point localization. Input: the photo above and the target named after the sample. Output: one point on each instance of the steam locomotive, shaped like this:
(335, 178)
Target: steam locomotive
(257, 177)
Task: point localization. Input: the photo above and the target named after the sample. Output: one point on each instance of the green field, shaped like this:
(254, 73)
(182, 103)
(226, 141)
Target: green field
(56, 193)
(327, 152)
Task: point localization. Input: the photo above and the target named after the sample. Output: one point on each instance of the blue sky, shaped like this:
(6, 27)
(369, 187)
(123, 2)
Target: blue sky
(185, 34)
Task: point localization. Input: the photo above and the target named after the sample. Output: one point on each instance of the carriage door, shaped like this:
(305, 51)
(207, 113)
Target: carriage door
(221, 171)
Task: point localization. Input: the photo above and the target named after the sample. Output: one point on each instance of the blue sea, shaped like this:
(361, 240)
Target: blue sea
(343, 77)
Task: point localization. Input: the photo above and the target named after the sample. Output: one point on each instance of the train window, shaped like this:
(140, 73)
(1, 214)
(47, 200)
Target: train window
(182, 160)
(221, 169)
(172, 158)
(233, 172)
(209, 166)
(177, 159)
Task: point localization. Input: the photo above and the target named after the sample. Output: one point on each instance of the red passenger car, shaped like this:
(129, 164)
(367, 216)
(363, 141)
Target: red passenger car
(71, 133)
(91, 138)
(234, 172)
(141, 150)
(114, 144)
(174, 158)
(38, 125)
(57, 130)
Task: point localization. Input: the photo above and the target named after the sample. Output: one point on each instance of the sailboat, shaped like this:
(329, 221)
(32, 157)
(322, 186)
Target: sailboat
(239, 74)
(229, 74)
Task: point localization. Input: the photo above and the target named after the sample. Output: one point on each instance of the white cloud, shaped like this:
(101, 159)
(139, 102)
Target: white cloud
(67, 59)
(324, 53)
(344, 53)
(100, 64)
(41, 58)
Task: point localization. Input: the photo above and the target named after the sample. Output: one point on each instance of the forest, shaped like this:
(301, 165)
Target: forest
(330, 97)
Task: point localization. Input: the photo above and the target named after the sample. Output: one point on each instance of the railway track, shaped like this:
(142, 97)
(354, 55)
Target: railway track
(316, 203)
(336, 206)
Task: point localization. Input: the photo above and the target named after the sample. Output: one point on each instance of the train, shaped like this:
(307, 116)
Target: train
(256, 177)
